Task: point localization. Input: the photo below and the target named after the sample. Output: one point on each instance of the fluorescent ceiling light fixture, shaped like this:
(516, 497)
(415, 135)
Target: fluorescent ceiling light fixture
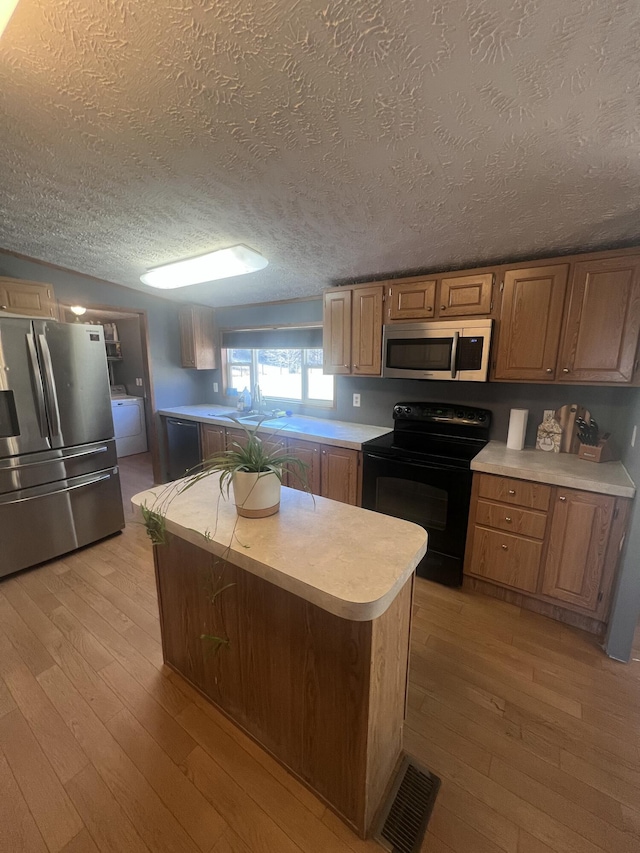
(6, 11)
(225, 263)
(78, 310)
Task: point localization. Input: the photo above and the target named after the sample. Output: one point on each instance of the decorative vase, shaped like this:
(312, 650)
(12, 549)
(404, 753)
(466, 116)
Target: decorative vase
(256, 495)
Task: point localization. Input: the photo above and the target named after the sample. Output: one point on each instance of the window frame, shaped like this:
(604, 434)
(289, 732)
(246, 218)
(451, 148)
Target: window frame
(305, 400)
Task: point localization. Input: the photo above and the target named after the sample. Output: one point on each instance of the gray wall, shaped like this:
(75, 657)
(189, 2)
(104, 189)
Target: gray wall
(626, 603)
(173, 384)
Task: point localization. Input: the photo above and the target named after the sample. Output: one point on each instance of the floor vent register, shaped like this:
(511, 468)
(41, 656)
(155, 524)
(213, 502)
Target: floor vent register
(406, 814)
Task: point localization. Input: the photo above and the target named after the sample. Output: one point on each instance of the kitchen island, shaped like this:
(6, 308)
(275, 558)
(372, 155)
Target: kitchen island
(313, 608)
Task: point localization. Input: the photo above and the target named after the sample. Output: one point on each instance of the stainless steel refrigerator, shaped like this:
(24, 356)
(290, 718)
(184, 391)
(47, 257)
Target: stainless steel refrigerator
(59, 482)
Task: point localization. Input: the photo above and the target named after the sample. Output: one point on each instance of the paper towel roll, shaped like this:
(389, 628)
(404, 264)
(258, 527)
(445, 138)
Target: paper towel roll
(517, 428)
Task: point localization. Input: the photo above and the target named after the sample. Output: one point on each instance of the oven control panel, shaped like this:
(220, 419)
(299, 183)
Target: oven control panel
(421, 412)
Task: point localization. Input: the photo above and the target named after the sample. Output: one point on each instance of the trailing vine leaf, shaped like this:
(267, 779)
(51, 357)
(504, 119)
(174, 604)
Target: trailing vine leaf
(155, 524)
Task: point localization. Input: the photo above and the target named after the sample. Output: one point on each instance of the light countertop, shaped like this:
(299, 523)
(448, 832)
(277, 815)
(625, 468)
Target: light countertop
(336, 433)
(556, 469)
(349, 561)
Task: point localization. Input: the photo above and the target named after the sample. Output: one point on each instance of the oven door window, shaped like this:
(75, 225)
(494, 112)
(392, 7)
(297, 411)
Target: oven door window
(418, 502)
(419, 354)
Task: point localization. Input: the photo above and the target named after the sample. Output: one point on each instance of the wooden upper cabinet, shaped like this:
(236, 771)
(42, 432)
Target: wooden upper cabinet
(27, 297)
(603, 321)
(414, 299)
(366, 330)
(197, 337)
(339, 474)
(352, 330)
(573, 571)
(465, 296)
(337, 332)
(530, 323)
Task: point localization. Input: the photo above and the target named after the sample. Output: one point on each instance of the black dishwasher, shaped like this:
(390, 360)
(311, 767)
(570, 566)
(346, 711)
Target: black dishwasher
(183, 445)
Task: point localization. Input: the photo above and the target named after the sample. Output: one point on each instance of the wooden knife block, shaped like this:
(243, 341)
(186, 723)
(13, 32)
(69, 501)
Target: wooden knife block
(602, 452)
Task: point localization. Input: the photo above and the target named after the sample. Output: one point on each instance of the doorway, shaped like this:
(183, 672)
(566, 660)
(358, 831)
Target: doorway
(127, 345)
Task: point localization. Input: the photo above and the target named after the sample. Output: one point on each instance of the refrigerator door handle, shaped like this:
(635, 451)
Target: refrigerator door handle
(58, 491)
(50, 385)
(37, 384)
(57, 459)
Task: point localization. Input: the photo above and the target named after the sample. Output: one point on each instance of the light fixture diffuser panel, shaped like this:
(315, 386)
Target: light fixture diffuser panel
(225, 263)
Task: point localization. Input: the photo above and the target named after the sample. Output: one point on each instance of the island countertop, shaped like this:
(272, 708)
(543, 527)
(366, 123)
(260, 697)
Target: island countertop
(349, 561)
(335, 433)
(556, 469)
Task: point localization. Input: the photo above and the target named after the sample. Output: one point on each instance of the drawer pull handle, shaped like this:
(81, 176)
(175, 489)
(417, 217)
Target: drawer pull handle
(507, 518)
(512, 491)
(565, 370)
(549, 369)
(562, 498)
(505, 547)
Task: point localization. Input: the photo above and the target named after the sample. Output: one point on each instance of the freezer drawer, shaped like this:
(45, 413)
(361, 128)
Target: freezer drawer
(49, 466)
(44, 522)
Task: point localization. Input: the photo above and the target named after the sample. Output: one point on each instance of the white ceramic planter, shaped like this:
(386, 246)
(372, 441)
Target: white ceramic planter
(256, 495)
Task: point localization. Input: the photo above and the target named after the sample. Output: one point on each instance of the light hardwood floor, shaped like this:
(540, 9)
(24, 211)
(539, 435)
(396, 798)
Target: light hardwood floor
(535, 733)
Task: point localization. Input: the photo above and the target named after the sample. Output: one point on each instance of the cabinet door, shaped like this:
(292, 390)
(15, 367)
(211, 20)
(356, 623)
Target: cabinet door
(187, 338)
(465, 295)
(412, 301)
(212, 439)
(336, 332)
(506, 559)
(309, 453)
(577, 548)
(339, 474)
(603, 319)
(530, 323)
(366, 331)
(197, 337)
(26, 297)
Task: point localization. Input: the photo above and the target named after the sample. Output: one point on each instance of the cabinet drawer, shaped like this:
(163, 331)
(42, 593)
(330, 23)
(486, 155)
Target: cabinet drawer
(506, 559)
(511, 491)
(523, 522)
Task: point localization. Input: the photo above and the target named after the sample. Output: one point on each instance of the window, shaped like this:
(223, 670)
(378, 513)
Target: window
(282, 374)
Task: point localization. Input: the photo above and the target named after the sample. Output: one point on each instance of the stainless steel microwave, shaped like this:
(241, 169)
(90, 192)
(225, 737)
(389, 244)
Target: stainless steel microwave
(450, 350)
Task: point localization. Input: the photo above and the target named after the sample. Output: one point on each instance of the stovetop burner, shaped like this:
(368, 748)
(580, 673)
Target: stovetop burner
(434, 432)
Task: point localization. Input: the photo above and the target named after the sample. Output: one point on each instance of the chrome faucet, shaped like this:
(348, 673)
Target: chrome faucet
(257, 399)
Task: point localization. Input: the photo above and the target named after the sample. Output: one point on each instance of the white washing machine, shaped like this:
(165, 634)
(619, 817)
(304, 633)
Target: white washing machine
(129, 425)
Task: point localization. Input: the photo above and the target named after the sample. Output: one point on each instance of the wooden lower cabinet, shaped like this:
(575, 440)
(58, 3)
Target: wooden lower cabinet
(212, 439)
(549, 549)
(578, 538)
(339, 474)
(309, 453)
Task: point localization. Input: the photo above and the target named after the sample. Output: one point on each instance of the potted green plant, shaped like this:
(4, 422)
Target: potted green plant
(254, 470)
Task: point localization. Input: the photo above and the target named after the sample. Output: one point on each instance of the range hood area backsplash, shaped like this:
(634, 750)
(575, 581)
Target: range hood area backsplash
(610, 406)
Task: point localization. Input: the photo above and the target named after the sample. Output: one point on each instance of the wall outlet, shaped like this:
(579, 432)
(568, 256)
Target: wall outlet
(633, 436)
(139, 382)
(356, 400)
(215, 387)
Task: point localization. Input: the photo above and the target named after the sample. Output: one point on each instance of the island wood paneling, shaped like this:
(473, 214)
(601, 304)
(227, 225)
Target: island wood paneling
(322, 694)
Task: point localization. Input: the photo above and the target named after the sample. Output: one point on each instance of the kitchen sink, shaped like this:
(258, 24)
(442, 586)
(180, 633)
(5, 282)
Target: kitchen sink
(254, 418)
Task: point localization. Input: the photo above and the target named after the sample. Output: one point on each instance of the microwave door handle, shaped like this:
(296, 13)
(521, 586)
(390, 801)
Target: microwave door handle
(50, 385)
(454, 354)
(37, 386)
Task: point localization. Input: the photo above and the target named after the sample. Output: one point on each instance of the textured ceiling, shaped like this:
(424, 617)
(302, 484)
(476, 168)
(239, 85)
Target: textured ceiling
(341, 138)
